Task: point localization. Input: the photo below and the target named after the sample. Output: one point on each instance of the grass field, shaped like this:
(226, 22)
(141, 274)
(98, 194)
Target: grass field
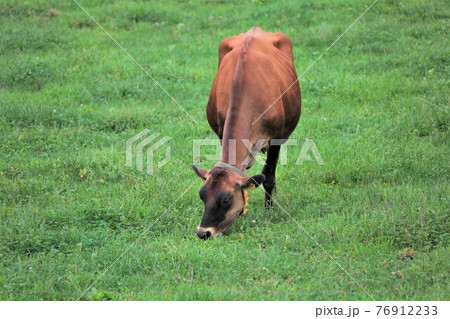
(376, 106)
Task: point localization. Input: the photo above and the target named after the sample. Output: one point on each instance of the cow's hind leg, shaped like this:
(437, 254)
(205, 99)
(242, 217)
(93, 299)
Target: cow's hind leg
(269, 171)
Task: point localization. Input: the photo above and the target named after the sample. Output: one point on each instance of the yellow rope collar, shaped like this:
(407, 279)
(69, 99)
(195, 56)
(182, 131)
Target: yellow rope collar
(245, 196)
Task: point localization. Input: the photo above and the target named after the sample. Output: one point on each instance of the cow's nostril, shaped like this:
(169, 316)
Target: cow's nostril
(203, 234)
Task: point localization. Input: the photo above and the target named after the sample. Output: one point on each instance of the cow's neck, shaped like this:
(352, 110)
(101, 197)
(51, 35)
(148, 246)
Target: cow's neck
(236, 134)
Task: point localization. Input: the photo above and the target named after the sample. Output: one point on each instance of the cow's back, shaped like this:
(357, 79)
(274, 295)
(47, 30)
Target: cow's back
(255, 69)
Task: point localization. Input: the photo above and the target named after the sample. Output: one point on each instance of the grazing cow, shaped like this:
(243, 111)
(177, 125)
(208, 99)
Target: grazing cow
(254, 100)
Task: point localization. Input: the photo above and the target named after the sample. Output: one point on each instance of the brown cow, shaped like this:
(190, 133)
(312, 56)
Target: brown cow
(248, 111)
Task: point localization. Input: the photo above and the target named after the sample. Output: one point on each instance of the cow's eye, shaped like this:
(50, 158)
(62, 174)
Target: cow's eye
(226, 201)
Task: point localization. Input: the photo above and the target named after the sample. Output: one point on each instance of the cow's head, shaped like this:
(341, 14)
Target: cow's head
(223, 193)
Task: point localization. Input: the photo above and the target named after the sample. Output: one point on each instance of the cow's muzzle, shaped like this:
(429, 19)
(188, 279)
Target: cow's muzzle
(203, 234)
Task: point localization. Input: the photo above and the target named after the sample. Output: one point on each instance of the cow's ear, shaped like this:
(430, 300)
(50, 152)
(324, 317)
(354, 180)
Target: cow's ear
(202, 173)
(253, 181)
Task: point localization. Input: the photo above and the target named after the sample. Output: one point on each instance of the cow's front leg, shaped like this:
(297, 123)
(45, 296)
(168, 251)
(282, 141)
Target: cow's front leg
(269, 172)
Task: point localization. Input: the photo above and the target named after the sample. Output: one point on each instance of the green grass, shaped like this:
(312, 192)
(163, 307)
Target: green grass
(376, 106)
